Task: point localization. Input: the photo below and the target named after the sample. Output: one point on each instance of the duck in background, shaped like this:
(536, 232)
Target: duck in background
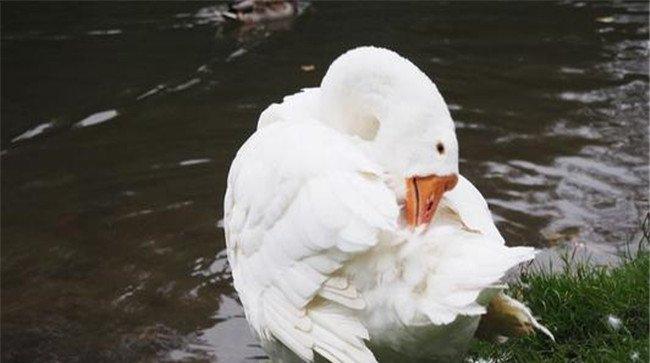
(253, 11)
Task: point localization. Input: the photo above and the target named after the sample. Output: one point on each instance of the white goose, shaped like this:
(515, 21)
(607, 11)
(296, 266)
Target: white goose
(350, 232)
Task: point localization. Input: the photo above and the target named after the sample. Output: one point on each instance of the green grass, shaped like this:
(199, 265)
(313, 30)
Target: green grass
(575, 305)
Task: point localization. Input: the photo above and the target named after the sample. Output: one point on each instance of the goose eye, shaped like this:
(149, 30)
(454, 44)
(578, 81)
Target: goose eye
(441, 148)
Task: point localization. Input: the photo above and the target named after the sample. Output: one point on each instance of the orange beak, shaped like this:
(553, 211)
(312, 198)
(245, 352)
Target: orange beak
(423, 193)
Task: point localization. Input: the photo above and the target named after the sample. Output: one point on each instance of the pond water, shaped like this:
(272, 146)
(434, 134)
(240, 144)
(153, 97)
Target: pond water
(119, 123)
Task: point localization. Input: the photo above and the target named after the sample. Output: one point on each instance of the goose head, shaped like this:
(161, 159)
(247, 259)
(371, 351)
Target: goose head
(400, 119)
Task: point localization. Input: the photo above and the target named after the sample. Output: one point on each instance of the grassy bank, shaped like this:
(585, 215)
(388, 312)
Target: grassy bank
(597, 314)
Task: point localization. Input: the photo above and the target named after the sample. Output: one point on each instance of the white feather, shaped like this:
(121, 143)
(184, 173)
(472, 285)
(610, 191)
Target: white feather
(320, 257)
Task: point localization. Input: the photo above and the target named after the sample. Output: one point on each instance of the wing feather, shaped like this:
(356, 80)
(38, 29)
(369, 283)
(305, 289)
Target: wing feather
(472, 209)
(301, 202)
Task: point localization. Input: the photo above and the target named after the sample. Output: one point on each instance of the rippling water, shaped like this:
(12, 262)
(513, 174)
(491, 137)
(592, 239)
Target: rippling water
(119, 122)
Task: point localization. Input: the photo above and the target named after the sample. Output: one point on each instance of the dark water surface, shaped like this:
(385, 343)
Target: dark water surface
(119, 122)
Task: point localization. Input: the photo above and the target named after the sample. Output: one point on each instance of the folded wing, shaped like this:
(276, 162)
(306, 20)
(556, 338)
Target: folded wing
(301, 202)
